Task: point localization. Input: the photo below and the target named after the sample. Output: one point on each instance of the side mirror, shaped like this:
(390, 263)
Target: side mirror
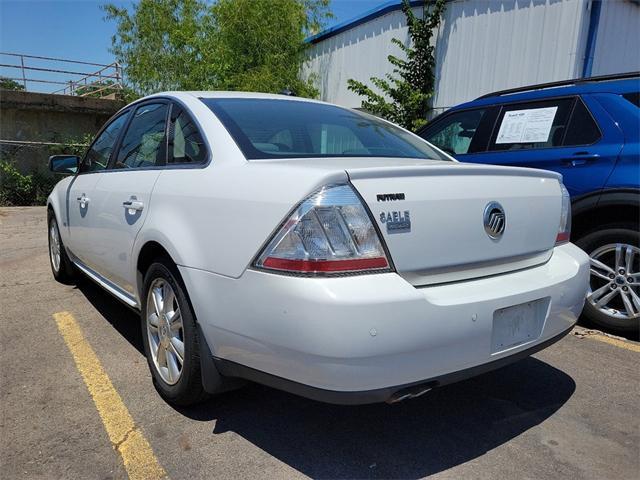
(64, 164)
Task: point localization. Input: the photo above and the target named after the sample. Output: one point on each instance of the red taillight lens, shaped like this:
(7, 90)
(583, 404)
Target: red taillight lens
(564, 230)
(325, 265)
(329, 232)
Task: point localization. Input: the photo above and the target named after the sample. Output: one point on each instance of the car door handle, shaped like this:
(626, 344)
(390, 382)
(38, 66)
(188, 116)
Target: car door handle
(133, 205)
(581, 158)
(83, 199)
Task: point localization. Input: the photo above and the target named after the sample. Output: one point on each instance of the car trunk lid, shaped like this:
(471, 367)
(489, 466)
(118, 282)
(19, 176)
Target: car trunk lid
(436, 219)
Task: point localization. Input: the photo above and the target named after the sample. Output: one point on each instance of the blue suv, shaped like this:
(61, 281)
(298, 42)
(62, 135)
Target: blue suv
(589, 131)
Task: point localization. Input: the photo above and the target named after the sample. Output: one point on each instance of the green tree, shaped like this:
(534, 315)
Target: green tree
(161, 43)
(406, 93)
(259, 45)
(8, 84)
(230, 44)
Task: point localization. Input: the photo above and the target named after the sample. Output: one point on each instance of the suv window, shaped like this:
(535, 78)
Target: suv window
(459, 133)
(97, 157)
(185, 142)
(144, 143)
(582, 129)
(633, 97)
(532, 125)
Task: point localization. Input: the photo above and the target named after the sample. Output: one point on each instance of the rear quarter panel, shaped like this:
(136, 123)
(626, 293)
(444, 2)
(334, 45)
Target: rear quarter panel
(218, 218)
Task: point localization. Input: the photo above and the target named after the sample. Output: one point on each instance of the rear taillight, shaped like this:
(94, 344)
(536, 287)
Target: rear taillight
(329, 232)
(564, 231)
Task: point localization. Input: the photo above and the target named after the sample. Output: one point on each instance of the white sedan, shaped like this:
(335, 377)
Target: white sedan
(312, 248)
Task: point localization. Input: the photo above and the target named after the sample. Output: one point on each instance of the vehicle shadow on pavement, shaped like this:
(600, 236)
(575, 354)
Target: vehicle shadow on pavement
(412, 439)
(444, 428)
(124, 320)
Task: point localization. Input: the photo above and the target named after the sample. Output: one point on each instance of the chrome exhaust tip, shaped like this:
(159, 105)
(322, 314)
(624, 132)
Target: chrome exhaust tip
(410, 392)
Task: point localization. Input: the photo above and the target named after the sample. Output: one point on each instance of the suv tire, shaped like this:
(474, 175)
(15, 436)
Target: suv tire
(598, 241)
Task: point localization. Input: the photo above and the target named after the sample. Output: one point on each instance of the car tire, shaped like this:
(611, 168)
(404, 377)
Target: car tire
(600, 241)
(61, 266)
(187, 388)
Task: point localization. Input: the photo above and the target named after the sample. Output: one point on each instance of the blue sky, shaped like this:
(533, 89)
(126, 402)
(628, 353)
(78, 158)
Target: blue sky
(76, 30)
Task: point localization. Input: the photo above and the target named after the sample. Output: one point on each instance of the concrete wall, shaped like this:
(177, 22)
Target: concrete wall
(41, 117)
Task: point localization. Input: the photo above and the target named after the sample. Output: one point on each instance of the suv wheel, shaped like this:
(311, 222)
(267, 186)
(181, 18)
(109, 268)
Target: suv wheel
(61, 267)
(170, 335)
(613, 301)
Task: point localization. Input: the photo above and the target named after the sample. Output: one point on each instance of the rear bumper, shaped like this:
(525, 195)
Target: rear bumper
(360, 339)
(388, 394)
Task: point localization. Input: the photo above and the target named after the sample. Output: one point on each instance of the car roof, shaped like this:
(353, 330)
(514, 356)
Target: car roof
(227, 94)
(541, 92)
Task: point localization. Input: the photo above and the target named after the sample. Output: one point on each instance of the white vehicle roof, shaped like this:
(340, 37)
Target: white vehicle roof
(226, 94)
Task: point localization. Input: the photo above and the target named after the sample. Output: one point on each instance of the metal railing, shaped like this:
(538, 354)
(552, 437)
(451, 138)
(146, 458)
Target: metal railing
(104, 81)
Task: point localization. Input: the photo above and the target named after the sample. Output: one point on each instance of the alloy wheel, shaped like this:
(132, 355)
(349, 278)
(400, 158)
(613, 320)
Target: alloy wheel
(615, 280)
(165, 332)
(54, 246)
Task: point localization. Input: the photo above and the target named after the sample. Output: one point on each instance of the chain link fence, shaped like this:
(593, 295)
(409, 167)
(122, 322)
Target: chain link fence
(19, 188)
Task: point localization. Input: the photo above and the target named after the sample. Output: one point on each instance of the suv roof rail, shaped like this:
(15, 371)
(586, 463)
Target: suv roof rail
(562, 83)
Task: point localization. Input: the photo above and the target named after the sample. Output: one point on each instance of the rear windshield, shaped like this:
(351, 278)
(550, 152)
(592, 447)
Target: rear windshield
(268, 129)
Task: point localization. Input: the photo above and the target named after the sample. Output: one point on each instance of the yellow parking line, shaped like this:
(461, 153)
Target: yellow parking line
(127, 439)
(616, 342)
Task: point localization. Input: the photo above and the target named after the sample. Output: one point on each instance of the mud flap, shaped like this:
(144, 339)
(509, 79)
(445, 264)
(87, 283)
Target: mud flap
(212, 381)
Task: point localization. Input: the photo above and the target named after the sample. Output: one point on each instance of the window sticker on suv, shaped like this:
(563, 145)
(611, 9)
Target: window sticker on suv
(527, 126)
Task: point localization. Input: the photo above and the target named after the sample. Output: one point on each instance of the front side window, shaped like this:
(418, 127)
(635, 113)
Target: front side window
(144, 143)
(458, 133)
(97, 157)
(185, 142)
(270, 128)
(532, 125)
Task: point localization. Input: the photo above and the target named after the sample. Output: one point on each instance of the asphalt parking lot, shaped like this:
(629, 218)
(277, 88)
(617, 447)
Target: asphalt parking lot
(571, 411)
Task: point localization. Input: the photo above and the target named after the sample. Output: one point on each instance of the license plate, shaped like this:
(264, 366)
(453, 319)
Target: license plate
(517, 325)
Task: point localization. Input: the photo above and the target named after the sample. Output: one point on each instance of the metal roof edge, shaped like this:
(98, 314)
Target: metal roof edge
(376, 12)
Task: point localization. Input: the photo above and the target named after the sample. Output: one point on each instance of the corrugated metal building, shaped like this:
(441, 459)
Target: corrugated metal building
(484, 45)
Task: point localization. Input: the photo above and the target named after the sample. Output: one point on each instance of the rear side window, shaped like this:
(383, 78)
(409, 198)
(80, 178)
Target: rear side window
(186, 144)
(144, 144)
(633, 97)
(462, 132)
(532, 125)
(582, 129)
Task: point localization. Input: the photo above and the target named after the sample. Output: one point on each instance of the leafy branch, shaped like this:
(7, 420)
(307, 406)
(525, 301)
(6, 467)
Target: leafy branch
(404, 96)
